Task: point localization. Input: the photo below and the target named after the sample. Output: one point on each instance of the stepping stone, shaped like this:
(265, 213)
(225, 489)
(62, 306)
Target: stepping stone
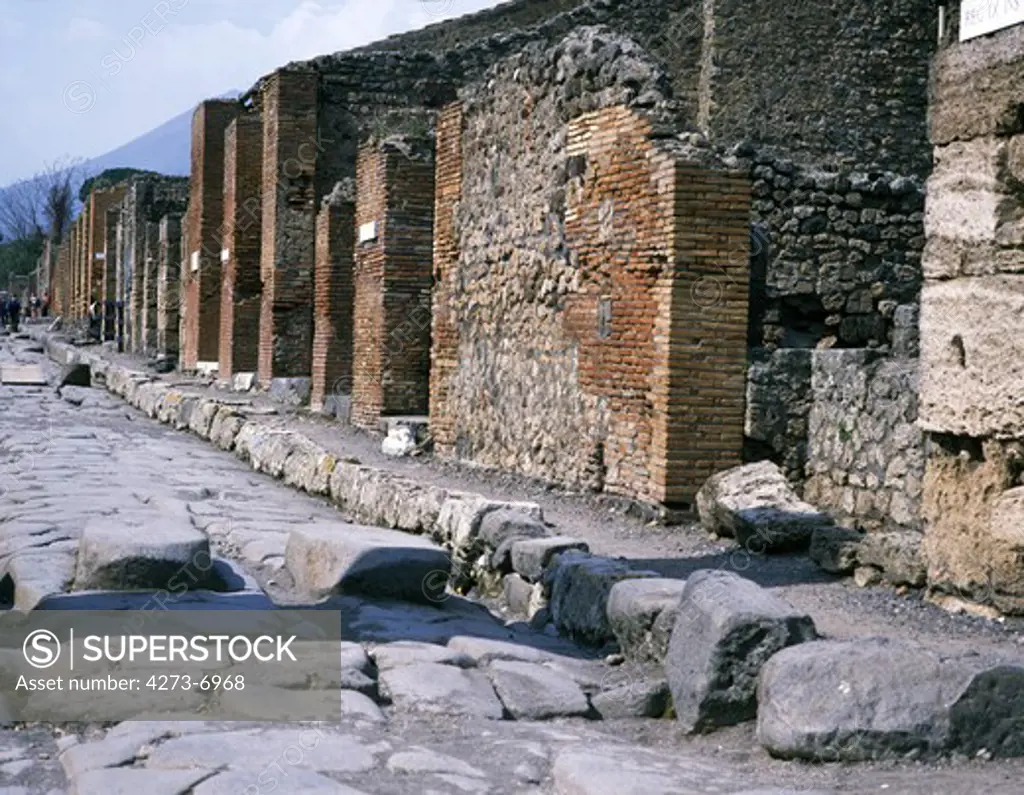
(254, 750)
(533, 692)
(132, 781)
(726, 629)
(442, 689)
(532, 555)
(22, 375)
(643, 698)
(368, 561)
(286, 704)
(756, 505)
(877, 698)
(642, 613)
(487, 650)
(124, 557)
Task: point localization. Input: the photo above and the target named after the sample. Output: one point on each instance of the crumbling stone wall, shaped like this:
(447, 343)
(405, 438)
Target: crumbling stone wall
(566, 262)
(865, 459)
(168, 286)
(972, 305)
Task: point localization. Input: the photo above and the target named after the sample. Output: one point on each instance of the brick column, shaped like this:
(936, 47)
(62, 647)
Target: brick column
(444, 353)
(392, 276)
(84, 265)
(68, 298)
(167, 296)
(205, 221)
(150, 261)
(240, 255)
(100, 201)
(332, 302)
(111, 254)
(289, 220)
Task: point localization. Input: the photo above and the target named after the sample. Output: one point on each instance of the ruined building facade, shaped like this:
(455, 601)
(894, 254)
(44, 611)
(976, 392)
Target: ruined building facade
(614, 245)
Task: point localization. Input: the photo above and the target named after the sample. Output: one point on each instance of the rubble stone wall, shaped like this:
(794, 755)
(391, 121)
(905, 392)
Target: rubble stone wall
(972, 305)
(564, 301)
(865, 456)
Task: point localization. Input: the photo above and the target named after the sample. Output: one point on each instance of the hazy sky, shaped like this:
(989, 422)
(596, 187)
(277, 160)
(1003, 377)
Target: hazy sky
(82, 77)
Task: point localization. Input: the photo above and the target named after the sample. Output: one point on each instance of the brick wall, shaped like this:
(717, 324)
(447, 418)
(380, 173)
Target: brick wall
(100, 201)
(150, 276)
(444, 352)
(167, 285)
(333, 301)
(240, 276)
(289, 105)
(392, 276)
(205, 221)
(109, 292)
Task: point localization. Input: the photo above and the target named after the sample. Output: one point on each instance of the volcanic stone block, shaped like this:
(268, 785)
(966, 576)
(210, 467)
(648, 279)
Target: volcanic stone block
(642, 614)
(835, 549)
(162, 555)
(530, 556)
(755, 504)
(898, 554)
(727, 628)
(351, 559)
(878, 698)
(972, 356)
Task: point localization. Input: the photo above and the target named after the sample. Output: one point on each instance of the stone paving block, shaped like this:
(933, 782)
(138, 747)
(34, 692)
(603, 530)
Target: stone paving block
(39, 575)
(393, 655)
(307, 782)
(118, 556)
(132, 781)
(112, 751)
(418, 761)
(23, 375)
(878, 698)
(258, 702)
(444, 689)
(320, 750)
(505, 523)
(533, 692)
(634, 607)
(726, 629)
(487, 650)
(644, 698)
(352, 559)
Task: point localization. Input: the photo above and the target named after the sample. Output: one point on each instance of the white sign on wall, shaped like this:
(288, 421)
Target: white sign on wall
(195, 261)
(368, 232)
(225, 254)
(100, 255)
(978, 17)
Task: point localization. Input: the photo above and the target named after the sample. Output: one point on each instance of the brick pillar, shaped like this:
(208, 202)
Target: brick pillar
(289, 220)
(332, 302)
(168, 274)
(392, 276)
(100, 201)
(444, 353)
(84, 265)
(111, 254)
(205, 221)
(68, 298)
(240, 256)
(150, 262)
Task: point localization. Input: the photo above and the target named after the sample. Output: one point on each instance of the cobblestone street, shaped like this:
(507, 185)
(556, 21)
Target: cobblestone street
(439, 698)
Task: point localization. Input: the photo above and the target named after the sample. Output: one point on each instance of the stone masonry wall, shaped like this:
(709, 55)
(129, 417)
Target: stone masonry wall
(865, 458)
(565, 281)
(972, 306)
(150, 279)
(333, 301)
(240, 248)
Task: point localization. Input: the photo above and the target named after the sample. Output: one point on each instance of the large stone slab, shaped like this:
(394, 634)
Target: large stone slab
(726, 629)
(533, 692)
(22, 375)
(352, 559)
(972, 357)
(131, 781)
(444, 689)
(755, 504)
(877, 698)
(161, 554)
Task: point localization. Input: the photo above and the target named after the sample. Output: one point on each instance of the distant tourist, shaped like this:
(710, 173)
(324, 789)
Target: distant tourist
(14, 313)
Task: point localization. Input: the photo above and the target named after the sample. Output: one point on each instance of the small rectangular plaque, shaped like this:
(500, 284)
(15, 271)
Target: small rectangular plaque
(100, 255)
(368, 232)
(978, 17)
(225, 255)
(195, 261)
